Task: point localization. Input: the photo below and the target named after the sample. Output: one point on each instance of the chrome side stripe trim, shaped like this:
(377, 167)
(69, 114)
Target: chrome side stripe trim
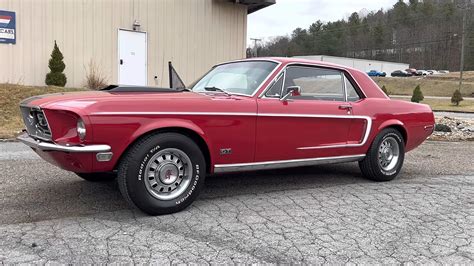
(224, 168)
(176, 113)
(368, 126)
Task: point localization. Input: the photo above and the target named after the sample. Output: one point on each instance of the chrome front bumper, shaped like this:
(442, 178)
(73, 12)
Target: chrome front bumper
(47, 146)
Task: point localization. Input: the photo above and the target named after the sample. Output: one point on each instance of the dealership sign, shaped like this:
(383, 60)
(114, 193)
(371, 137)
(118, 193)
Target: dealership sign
(7, 27)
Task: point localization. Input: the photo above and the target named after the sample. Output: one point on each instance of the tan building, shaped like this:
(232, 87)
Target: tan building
(131, 40)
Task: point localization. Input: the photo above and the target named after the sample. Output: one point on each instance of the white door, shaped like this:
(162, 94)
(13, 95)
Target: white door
(132, 58)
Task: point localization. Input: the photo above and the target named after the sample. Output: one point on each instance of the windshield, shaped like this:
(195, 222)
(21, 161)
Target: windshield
(238, 78)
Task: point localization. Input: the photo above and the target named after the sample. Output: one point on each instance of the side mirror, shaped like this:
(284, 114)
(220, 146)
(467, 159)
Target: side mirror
(291, 91)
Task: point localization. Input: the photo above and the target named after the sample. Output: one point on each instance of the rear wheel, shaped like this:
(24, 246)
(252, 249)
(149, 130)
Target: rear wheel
(97, 177)
(162, 173)
(384, 159)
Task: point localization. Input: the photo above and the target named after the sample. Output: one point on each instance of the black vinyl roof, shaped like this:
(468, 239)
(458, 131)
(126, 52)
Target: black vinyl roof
(255, 5)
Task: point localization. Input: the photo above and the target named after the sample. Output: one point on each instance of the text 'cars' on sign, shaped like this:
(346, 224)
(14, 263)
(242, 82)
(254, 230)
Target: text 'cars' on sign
(7, 27)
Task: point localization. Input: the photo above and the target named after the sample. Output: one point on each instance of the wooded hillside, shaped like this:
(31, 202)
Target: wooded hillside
(427, 35)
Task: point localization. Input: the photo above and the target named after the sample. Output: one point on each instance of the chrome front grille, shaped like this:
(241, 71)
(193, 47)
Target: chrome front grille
(36, 123)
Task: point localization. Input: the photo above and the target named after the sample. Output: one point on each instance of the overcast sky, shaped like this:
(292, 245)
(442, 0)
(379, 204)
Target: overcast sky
(286, 15)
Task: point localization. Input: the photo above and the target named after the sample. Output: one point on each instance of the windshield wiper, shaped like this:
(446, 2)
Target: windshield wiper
(213, 88)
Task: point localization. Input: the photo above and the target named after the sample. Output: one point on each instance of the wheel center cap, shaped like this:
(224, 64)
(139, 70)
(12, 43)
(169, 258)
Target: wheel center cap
(168, 174)
(387, 154)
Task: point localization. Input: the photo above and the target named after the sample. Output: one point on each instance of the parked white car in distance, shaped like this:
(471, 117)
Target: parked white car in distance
(422, 73)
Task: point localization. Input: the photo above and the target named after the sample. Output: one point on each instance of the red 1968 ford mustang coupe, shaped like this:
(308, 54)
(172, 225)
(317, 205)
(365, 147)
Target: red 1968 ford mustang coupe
(253, 114)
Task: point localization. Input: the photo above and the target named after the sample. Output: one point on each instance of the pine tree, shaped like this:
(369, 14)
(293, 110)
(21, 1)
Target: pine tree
(384, 89)
(456, 98)
(56, 77)
(417, 95)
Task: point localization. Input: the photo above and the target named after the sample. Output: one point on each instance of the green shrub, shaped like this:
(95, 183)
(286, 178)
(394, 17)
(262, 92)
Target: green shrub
(417, 95)
(456, 98)
(56, 77)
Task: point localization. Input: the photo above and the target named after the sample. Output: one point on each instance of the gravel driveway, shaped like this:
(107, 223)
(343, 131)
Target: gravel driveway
(324, 214)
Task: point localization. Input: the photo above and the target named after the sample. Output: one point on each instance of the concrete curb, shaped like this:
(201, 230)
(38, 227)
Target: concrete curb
(457, 112)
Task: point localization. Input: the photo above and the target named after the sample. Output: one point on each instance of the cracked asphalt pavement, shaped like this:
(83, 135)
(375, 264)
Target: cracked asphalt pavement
(323, 214)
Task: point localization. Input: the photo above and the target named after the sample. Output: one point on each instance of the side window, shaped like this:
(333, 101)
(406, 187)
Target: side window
(352, 95)
(316, 83)
(275, 89)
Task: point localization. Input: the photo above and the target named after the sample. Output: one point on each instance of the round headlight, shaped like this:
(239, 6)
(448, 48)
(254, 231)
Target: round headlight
(81, 129)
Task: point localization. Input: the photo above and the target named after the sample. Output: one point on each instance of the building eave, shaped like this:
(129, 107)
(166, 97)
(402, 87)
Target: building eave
(254, 5)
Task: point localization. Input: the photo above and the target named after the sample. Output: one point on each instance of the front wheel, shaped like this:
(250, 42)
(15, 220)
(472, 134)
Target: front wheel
(385, 157)
(162, 173)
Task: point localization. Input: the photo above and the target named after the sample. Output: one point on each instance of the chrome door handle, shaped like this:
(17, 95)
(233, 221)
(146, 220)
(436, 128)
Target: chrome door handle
(345, 106)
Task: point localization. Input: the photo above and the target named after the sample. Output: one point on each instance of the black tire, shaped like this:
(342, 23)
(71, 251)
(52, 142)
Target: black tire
(97, 177)
(370, 166)
(132, 180)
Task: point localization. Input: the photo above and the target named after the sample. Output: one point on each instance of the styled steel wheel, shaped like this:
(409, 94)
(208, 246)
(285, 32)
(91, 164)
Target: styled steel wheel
(389, 152)
(385, 156)
(168, 174)
(162, 173)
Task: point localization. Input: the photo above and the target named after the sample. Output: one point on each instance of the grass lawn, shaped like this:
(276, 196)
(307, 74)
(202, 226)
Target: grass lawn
(10, 97)
(445, 105)
(432, 86)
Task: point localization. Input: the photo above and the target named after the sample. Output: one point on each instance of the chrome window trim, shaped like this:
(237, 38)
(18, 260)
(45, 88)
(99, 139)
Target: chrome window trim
(340, 73)
(346, 80)
(344, 88)
(344, 72)
(251, 60)
(223, 168)
(301, 66)
(280, 75)
(262, 95)
(248, 60)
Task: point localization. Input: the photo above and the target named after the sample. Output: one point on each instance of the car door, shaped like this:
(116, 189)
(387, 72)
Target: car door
(314, 124)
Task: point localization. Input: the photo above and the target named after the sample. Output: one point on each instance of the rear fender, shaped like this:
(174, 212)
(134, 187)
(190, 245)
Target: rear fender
(395, 123)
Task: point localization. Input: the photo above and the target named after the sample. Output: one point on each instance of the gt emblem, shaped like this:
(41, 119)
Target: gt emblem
(226, 151)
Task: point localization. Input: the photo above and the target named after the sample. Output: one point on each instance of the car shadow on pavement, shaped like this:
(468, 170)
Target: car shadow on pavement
(70, 196)
(232, 184)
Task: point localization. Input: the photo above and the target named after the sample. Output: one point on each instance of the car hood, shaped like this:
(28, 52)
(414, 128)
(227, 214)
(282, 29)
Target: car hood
(91, 97)
(88, 102)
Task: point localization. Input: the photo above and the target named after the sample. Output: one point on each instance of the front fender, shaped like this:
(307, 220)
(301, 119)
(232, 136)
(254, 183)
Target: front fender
(175, 124)
(168, 123)
(121, 132)
(164, 123)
